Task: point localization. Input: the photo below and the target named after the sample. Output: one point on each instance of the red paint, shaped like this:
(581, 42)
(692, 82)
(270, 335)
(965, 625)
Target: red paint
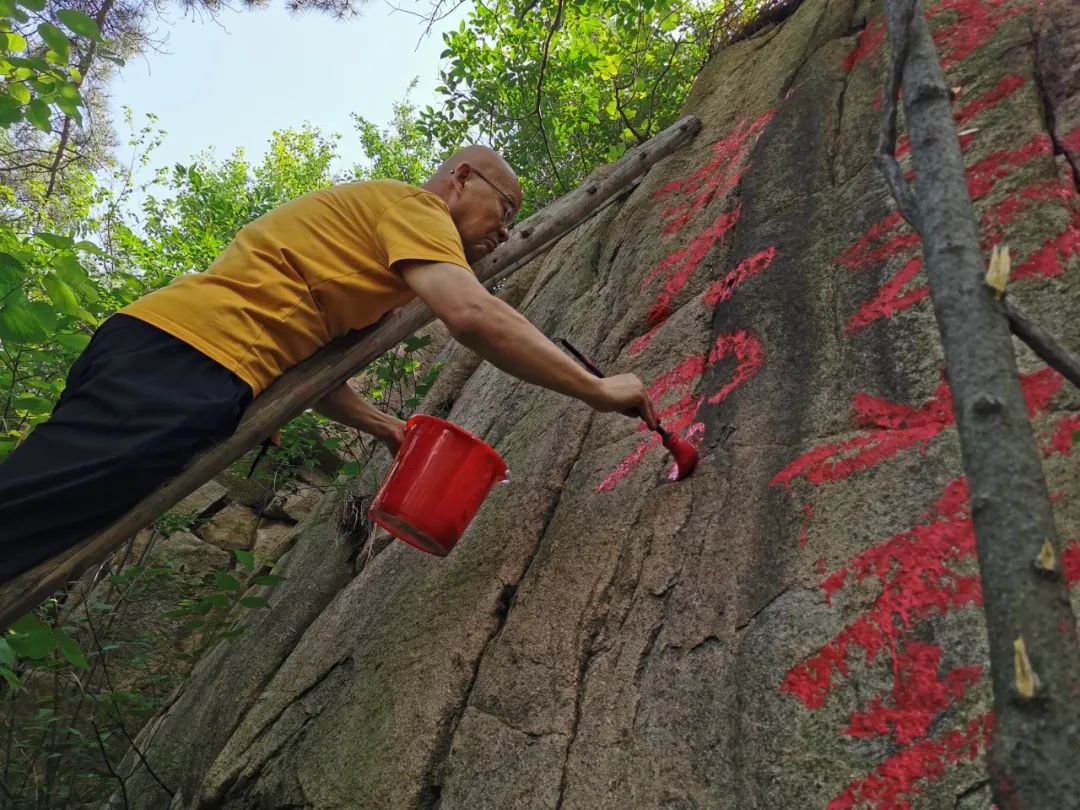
(897, 244)
(832, 583)
(804, 534)
(1062, 440)
(1049, 260)
(917, 697)
(891, 298)
(681, 417)
(926, 571)
(748, 268)
(901, 776)
(893, 427)
(855, 256)
(749, 356)
(1071, 142)
(640, 344)
(715, 178)
(975, 23)
(984, 175)
(867, 45)
(1005, 88)
(918, 579)
(892, 238)
(999, 217)
(682, 264)
(1070, 559)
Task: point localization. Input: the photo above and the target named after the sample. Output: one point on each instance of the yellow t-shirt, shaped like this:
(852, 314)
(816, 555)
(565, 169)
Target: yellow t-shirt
(303, 274)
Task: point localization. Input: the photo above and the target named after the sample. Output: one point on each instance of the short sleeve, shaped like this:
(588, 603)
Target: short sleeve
(419, 228)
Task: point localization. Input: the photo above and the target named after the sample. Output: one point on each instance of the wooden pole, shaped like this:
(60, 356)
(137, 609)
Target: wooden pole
(306, 383)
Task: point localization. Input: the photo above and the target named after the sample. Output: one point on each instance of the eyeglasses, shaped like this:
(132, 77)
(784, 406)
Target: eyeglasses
(511, 212)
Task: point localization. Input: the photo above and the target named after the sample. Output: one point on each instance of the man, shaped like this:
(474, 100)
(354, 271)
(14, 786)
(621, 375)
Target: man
(173, 372)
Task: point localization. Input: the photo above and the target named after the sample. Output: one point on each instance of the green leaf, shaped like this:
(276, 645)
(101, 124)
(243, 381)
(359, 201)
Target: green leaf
(34, 406)
(73, 342)
(20, 92)
(54, 239)
(10, 111)
(11, 270)
(350, 468)
(56, 39)
(227, 582)
(70, 650)
(29, 623)
(35, 645)
(35, 63)
(37, 113)
(7, 655)
(61, 295)
(33, 5)
(90, 247)
(79, 23)
(69, 270)
(7, 8)
(9, 676)
(210, 602)
(254, 602)
(12, 42)
(44, 314)
(246, 559)
(18, 324)
(269, 580)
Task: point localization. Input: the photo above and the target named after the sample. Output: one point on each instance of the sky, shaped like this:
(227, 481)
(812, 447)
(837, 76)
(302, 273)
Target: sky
(232, 81)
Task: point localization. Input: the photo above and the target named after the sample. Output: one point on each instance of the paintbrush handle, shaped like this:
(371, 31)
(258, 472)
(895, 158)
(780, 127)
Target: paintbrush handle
(585, 361)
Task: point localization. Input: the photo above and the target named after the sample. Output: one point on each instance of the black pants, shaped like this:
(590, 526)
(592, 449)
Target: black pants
(138, 404)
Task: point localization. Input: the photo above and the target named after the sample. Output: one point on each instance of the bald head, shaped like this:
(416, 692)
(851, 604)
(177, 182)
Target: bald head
(488, 162)
(483, 195)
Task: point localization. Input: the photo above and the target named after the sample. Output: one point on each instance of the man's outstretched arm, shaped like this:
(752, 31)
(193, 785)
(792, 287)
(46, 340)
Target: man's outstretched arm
(345, 406)
(504, 337)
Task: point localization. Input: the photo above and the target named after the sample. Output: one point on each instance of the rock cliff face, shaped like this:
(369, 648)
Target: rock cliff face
(797, 625)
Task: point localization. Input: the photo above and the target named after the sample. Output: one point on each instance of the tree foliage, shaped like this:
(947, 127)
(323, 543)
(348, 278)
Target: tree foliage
(562, 86)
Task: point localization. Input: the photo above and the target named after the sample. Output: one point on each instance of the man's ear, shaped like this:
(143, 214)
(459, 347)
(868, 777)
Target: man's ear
(461, 173)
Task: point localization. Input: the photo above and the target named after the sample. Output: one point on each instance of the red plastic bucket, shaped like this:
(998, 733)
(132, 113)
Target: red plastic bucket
(439, 478)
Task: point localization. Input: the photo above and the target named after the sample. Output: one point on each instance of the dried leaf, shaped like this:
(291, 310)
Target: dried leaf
(1046, 561)
(1027, 682)
(997, 276)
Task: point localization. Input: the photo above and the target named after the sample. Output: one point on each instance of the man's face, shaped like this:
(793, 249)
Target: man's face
(483, 208)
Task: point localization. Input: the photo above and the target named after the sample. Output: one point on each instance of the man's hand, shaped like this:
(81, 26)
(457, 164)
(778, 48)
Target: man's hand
(504, 337)
(626, 393)
(393, 436)
(346, 407)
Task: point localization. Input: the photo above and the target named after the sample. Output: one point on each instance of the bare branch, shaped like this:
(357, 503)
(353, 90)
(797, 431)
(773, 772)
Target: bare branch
(1042, 343)
(886, 148)
(539, 91)
(622, 114)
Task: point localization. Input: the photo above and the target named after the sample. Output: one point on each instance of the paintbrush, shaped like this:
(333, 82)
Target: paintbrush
(685, 454)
